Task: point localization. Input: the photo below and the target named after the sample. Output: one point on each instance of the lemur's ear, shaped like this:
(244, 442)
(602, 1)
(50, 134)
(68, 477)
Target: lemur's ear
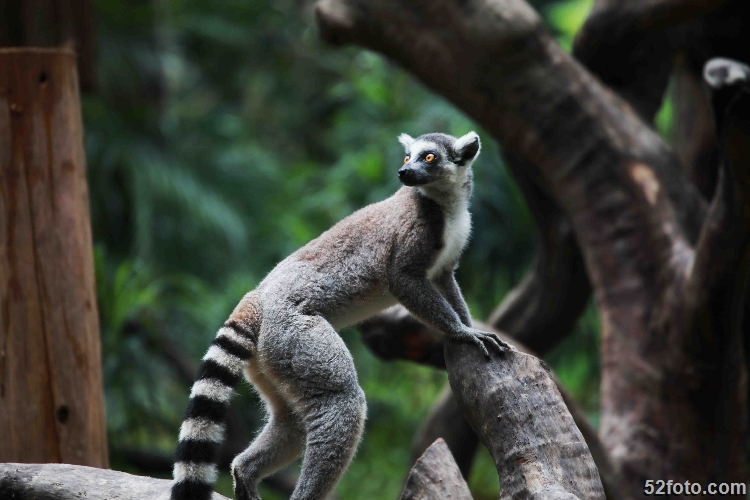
(406, 141)
(467, 147)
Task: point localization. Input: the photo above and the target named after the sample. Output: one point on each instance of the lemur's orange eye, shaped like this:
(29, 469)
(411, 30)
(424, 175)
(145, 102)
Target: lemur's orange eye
(429, 158)
(406, 160)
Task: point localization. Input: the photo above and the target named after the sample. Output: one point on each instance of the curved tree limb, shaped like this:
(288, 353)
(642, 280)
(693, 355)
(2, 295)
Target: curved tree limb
(726, 226)
(396, 334)
(384, 333)
(515, 407)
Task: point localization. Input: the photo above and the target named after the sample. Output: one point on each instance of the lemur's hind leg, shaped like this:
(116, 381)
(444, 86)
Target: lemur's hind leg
(279, 443)
(333, 432)
(331, 406)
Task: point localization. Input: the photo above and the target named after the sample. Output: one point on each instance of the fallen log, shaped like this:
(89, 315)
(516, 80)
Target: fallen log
(68, 482)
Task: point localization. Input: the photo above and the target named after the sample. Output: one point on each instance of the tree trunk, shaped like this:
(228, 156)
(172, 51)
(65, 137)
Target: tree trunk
(50, 360)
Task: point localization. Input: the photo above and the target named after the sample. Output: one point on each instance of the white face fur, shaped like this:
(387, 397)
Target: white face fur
(437, 158)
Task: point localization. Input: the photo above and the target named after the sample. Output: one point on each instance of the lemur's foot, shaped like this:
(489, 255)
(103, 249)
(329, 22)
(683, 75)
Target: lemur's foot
(243, 490)
(481, 338)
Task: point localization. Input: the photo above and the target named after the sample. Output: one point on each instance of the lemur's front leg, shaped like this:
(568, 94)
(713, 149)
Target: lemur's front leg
(446, 283)
(422, 298)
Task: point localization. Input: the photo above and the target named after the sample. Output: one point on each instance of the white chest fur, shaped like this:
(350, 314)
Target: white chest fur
(455, 236)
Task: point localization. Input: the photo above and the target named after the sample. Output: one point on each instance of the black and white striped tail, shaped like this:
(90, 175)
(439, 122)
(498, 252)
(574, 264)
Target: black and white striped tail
(202, 432)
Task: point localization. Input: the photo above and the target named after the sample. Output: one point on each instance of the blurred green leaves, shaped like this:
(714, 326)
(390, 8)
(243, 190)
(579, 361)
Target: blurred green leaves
(567, 17)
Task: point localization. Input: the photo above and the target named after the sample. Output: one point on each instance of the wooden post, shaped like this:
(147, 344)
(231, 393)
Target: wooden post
(51, 397)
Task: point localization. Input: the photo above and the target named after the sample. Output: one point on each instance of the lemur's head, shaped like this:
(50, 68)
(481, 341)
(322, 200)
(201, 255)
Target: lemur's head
(437, 158)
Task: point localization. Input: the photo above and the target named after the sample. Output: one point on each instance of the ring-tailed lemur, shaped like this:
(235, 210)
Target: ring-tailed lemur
(282, 335)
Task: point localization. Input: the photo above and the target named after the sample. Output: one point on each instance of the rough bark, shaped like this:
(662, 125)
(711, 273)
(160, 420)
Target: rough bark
(514, 406)
(50, 362)
(70, 482)
(435, 476)
(446, 420)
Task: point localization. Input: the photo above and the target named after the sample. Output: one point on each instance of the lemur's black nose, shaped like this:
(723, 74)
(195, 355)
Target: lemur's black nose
(411, 176)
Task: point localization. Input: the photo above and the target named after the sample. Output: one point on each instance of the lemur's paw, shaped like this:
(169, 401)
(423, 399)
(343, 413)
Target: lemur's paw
(481, 338)
(241, 491)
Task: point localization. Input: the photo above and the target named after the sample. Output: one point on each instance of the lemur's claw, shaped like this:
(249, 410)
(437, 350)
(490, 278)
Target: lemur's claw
(497, 342)
(479, 338)
(478, 341)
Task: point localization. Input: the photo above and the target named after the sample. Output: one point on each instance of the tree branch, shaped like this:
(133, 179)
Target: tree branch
(396, 334)
(435, 476)
(386, 331)
(634, 33)
(71, 482)
(515, 408)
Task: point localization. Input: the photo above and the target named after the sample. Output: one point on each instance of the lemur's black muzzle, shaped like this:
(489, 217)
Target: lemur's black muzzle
(411, 177)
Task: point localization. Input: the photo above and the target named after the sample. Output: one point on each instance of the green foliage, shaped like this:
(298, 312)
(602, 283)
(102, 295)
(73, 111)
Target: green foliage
(224, 135)
(138, 411)
(567, 17)
(665, 117)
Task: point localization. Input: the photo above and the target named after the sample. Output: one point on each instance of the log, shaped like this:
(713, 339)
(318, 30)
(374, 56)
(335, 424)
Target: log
(435, 476)
(50, 361)
(512, 403)
(69, 482)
